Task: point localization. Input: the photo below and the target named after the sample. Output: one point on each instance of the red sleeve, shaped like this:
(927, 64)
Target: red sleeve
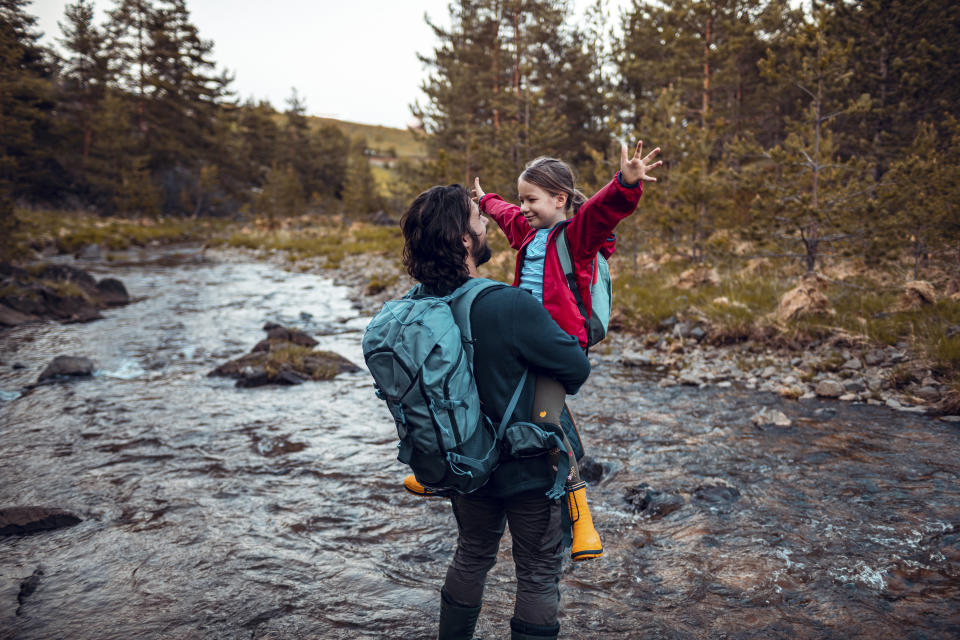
(599, 216)
(508, 218)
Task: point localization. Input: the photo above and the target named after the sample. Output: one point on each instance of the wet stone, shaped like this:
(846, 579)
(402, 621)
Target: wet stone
(716, 493)
(22, 520)
(591, 470)
(653, 503)
(67, 366)
(112, 292)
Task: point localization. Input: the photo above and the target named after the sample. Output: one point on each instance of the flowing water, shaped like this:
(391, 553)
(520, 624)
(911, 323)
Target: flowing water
(212, 512)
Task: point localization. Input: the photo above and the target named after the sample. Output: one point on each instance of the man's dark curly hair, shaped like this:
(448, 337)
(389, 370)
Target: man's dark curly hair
(433, 229)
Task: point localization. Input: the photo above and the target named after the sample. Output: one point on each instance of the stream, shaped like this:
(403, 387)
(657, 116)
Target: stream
(213, 512)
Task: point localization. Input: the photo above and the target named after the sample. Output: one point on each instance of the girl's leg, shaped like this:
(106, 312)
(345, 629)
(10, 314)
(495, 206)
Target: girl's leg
(548, 403)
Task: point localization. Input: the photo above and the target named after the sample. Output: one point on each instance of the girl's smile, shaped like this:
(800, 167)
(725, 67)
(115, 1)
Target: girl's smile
(541, 209)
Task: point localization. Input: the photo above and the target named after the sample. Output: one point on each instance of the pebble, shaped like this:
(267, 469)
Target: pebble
(874, 357)
(848, 397)
(951, 419)
(769, 372)
(852, 365)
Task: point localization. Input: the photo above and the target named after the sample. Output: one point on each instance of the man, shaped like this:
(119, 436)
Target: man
(444, 243)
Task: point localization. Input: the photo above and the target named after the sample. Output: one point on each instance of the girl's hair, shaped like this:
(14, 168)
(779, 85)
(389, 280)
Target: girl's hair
(555, 177)
(433, 228)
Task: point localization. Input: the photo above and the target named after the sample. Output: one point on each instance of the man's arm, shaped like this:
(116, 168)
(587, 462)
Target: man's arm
(546, 348)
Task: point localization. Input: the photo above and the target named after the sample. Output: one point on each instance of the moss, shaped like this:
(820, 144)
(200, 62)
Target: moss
(67, 289)
(289, 356)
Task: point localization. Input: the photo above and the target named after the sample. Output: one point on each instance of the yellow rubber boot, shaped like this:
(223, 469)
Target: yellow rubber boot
(586, 540)
(410, 484)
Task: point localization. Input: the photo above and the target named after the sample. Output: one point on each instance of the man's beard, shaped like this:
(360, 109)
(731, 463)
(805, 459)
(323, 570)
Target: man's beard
(480, 252)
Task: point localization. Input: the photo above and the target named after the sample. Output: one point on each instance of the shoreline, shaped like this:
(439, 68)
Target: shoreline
(840, 367)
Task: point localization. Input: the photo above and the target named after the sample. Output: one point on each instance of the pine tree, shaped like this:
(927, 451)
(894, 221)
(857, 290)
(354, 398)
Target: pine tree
(906, 57)
(511, 80)
(920, 192)
(82, 85)
(360, 194)
(816, 197)
(28, 166)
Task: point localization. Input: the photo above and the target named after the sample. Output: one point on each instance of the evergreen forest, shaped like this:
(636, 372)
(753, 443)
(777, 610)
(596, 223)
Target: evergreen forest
(829, 126)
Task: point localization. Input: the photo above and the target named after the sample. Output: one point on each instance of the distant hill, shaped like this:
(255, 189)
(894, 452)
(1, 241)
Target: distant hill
(381, 140)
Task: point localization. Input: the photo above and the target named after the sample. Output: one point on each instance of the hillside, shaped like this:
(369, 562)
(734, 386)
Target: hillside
(379, 138)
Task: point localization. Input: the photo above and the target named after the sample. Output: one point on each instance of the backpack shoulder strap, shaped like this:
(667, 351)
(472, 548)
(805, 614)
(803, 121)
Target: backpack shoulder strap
(460, 303)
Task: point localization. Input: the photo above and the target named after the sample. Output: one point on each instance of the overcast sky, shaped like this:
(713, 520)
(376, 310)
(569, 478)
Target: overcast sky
(354, 60)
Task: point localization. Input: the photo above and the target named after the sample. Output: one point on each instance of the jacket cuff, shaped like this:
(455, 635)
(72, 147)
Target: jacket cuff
(480, 201)
(625, 184)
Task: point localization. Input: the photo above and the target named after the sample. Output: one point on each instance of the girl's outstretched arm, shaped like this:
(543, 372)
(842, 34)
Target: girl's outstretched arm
(599, 215)
(507, 216)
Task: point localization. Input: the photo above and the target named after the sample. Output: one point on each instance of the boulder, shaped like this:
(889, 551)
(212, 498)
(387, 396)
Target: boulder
(285, 357)
(653, 503)
(22, 520)
(112, 292)
(11, 317)
(774, 416)
(67, 366)
(806, 299)
(829, 389)
(916, 294)
(697, 277)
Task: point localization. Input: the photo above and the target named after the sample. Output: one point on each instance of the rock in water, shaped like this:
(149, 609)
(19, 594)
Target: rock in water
(22, 520)
(285, 357)
(591, 470)
(112, 292)
(774, 417)
(655, 504)
(63, 366)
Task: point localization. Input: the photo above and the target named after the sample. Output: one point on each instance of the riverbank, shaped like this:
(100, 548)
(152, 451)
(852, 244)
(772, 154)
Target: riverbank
(851, 334)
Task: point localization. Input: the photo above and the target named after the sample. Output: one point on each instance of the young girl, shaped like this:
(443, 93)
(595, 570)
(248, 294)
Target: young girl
(547, 194)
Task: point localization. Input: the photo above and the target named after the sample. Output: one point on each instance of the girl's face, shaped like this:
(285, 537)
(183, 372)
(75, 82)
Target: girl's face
(541, 209)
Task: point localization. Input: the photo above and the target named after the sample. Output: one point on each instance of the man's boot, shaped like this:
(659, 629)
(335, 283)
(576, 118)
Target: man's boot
(457, 622)
(520, 630)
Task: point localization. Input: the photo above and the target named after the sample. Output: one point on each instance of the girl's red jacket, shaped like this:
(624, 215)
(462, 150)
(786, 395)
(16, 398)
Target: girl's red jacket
(589, 231)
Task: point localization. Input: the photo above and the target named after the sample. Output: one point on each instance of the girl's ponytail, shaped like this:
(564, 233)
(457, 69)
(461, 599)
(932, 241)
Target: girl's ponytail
(577, 199)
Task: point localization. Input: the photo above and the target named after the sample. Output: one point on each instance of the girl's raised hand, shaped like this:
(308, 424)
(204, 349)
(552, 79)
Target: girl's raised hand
(635, 169)
(477, 191)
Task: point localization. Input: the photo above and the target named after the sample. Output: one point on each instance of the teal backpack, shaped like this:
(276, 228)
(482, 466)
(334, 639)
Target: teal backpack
(601, 291)
(419, 350)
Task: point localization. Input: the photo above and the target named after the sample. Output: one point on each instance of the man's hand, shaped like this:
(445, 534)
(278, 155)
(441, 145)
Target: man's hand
(635, 169)
(477, 191)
